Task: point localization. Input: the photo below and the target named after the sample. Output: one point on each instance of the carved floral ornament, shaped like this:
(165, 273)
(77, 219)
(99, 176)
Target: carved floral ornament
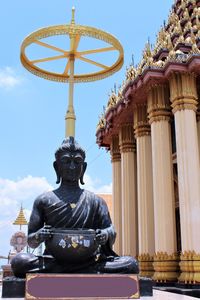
(102, 122)
(190, 256)
(177, 41)
(19, 241)
(115, 149)
(112, 101)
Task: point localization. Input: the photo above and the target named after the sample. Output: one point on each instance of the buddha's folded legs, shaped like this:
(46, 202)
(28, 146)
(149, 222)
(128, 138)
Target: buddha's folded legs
(28, 263)
(118, 264)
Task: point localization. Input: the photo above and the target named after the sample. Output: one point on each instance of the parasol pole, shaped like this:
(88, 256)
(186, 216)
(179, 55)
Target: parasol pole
(70, 117)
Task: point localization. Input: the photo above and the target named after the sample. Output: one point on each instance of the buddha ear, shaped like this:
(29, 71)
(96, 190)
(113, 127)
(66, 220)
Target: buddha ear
(55, 165)
(83, 172)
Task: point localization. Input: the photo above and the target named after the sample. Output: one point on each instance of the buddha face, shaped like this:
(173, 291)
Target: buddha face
(70, 166)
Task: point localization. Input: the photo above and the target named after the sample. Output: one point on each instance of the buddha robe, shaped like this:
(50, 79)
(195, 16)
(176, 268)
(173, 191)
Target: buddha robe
(87, 211)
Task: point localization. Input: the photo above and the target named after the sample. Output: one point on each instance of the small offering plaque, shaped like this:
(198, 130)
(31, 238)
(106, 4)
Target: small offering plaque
(87, 286)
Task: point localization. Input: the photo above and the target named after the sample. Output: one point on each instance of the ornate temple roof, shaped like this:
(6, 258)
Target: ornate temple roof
(20, 220)
(177, 45)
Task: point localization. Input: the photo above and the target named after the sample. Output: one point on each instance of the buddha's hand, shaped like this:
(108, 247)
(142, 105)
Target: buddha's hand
(101, 236)
(44, 234)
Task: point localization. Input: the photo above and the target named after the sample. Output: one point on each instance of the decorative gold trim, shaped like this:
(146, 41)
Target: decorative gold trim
(102, 122)
(116, 157)
(125, 148)
(159, 103)
(159, 114)
(28, 278)
(115, 149)
(29, 296)
(112, 101)
(77, 31)
(146, 265)
(141, 124)
(190, 267)
(182, 104)
(135, 296)
(164, 256)
(126, 138)
(142, 129)
(166, 267)
(145, 257)
(183, 89)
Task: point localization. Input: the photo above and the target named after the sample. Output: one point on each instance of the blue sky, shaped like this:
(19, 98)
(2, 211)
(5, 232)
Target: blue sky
(32, 109)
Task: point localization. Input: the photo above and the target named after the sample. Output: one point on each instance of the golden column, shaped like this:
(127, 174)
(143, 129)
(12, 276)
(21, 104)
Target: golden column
(129, 205)
(116, 184)
(184, 103)
(165, 258)
(145, 191)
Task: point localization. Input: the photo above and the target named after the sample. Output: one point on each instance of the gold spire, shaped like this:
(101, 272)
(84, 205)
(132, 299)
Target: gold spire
(73, 15)
(20, 220)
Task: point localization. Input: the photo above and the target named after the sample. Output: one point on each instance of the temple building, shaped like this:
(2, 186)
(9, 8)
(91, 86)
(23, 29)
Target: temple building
(151, 126)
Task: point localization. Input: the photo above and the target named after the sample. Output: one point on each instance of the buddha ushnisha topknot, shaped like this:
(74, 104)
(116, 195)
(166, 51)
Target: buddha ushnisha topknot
(69, 144)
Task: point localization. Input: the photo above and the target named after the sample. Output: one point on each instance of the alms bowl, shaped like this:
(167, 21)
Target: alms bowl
(72, 246)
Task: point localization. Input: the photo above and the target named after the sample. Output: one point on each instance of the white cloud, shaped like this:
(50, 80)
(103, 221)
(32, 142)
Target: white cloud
(95, 186)
(8, 78)
(12, 195)
(23, 191)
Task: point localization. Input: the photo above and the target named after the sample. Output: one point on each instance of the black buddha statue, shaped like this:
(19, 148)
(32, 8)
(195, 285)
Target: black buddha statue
(71, 208)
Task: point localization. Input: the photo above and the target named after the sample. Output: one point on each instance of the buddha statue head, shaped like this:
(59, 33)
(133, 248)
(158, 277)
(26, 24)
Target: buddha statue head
(70, 162)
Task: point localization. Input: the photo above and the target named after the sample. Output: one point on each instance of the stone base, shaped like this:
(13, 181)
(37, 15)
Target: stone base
(146, 286)
(13, 287)
(192, 290)
(187, 286)
(7, 270)
(184, 290)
